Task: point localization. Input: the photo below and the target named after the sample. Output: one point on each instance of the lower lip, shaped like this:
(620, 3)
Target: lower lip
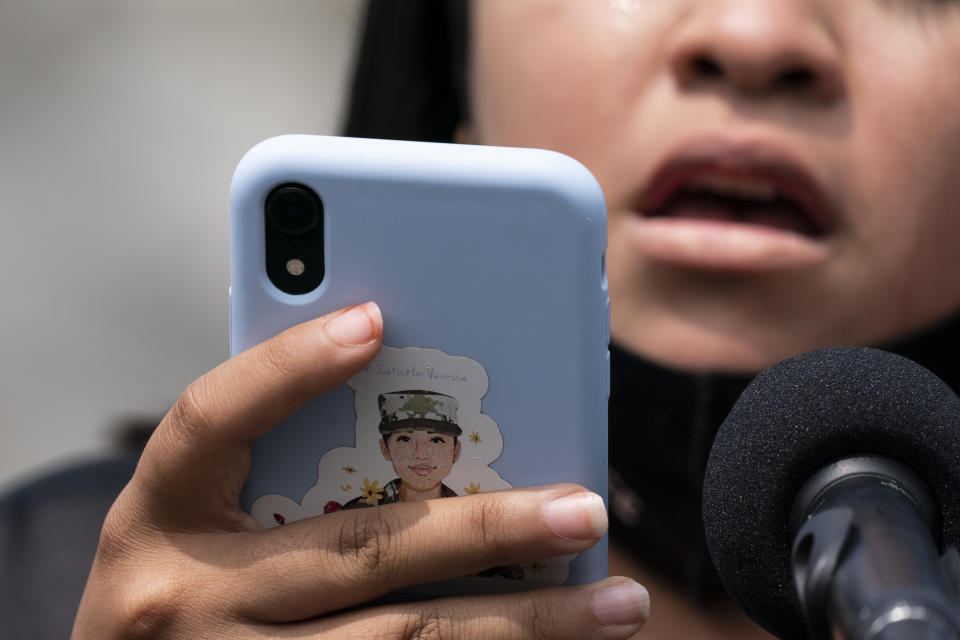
(422, 471)
(721, 245)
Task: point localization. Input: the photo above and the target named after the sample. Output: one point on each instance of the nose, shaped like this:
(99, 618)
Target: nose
(758, 48)
(421, 451)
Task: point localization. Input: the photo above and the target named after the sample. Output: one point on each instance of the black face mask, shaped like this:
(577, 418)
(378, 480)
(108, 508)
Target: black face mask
(662, 425)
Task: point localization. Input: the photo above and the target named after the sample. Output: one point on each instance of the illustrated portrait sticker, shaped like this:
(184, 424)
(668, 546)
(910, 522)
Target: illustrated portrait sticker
(420, 434)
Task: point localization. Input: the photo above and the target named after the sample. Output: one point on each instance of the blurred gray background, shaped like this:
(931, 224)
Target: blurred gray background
(120, 124)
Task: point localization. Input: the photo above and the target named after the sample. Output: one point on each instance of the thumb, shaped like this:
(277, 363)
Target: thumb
(195, 464)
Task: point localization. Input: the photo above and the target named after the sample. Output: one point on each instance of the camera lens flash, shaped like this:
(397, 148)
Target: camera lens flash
(295, 267)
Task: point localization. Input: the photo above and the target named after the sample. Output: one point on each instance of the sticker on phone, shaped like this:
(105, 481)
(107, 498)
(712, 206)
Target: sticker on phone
(420, 434)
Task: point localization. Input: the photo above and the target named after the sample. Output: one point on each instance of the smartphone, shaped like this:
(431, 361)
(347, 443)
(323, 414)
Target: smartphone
(488, 266)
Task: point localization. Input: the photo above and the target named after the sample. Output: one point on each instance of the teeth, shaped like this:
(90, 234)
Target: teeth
(736, 186)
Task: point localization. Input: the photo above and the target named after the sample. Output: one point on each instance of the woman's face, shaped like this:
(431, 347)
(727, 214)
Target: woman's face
(780, 174)
(422, 459)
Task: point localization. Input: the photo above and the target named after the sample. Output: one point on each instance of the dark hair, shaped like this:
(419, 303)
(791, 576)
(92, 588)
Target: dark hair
(410, 71)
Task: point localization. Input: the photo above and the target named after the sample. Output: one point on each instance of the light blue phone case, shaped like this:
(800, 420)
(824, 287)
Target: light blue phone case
(488, 266)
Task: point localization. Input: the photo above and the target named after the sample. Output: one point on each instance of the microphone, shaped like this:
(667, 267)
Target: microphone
(829, 492)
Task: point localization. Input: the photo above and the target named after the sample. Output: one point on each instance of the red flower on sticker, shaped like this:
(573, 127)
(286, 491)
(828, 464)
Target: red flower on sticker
(332, 506)
(279, 518)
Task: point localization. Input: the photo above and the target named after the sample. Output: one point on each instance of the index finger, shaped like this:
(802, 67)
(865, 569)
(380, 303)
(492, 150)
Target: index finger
(196, 462)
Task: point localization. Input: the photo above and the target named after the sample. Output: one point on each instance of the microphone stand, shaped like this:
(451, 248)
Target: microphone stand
(865, 564)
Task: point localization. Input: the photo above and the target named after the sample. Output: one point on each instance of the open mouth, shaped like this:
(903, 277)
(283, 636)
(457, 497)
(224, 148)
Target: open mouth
(719, 205)
(743, 199)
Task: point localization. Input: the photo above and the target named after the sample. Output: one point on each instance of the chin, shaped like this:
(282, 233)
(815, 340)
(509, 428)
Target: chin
(704, 351)
(692, 320)
(420, 484)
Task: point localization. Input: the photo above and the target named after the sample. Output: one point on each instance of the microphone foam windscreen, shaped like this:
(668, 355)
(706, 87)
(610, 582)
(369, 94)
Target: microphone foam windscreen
(795, 418)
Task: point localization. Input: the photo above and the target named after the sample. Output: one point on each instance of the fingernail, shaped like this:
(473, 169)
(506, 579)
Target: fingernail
(580, 516)
(623, 603)
(356, 326)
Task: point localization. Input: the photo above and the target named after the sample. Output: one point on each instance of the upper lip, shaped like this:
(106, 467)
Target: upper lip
(757, 162)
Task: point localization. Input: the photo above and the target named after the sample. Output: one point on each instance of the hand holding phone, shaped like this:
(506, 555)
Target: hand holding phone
(179, 559)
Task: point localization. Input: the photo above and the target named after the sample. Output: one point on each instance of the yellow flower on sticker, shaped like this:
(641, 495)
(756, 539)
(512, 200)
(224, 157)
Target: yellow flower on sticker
(473, 488)
(349, 469)
(475, 438)
(372, 493)
(346, 487)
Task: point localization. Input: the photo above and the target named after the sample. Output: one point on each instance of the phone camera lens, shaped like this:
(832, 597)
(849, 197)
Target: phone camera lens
(293, 209)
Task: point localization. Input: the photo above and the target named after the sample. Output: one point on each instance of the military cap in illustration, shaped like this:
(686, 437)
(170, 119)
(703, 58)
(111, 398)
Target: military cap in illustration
(418, 409)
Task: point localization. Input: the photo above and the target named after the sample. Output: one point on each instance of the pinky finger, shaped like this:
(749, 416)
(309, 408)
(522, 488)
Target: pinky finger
(612, 609)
